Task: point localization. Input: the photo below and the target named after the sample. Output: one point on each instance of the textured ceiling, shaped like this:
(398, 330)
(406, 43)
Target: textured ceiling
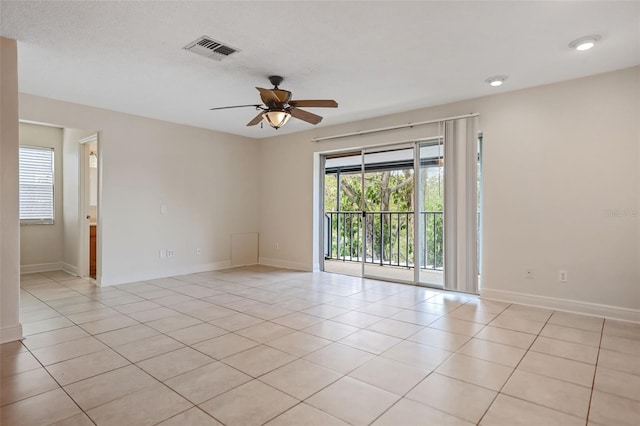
(374, 58)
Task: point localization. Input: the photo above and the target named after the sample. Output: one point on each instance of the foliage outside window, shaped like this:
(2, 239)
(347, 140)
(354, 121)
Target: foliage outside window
(36, 185)
(388, 191)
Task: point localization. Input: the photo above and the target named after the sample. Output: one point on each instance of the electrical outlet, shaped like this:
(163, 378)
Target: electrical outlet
(171, 252)
(163, 254)
(198, 252)
(528, 273)
(163, 209)
(563, 276)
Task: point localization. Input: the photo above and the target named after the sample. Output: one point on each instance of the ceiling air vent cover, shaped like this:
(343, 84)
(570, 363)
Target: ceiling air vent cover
(210, 48)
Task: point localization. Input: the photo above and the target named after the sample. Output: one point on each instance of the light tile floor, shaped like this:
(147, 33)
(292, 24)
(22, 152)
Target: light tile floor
(259, 345)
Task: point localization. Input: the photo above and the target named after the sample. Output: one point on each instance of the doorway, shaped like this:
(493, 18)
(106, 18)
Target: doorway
(370, 214)
(89, 219)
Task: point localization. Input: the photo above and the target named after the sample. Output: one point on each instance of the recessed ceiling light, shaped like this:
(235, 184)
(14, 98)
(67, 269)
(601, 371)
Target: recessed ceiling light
(584, 43)
(496, 80)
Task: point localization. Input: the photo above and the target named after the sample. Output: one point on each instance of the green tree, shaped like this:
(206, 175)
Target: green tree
(387, 234)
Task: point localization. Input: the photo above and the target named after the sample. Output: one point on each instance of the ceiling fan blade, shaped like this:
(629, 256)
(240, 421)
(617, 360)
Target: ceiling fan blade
(318, 103)
(284, 96)
(305, 116)
(256, 120)
(268, 96)
(236, 106)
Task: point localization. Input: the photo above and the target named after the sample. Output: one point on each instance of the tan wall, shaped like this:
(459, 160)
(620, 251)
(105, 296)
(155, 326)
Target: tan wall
(559, 162)
(206, 179)
(561, 189)
(10, 328)
(42, 246)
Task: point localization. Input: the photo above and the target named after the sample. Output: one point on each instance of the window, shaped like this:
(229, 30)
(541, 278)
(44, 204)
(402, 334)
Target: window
(36, 185)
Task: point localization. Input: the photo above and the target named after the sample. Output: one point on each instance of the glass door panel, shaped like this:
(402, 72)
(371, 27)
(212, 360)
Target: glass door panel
(430, 213)
(388, 216)
(342, 226)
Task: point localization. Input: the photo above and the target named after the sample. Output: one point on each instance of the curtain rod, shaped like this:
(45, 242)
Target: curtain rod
(385, 129)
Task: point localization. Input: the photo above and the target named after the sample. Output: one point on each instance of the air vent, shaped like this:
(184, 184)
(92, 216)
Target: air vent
(210, 48)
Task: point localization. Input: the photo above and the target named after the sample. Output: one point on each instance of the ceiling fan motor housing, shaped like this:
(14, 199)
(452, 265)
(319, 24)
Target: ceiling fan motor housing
(276, 80)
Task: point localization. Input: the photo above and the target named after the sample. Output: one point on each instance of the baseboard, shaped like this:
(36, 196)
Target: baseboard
(70, 269)
(286, 264)
(585, 308)
(41, 267)
(115, 279)
(11, 333)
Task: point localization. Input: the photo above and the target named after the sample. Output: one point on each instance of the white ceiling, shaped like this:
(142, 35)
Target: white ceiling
(374, 58)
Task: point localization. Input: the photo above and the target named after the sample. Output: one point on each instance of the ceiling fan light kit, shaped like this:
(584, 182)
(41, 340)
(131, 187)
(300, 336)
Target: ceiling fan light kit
(278, 106)
(276, 119)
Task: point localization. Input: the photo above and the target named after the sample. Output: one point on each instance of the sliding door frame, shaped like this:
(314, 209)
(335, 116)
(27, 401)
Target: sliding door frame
(443, 134)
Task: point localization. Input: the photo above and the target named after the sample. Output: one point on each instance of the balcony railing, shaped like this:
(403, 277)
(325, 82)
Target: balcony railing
(385, 238)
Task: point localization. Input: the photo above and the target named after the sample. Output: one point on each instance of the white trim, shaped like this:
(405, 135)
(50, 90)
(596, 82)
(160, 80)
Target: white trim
(40, 123)
(41, 267)
(286, 264)
(108, 280)
(89, 139)
(385, 129)
(11, 333)
(585, 308)
(70, 269)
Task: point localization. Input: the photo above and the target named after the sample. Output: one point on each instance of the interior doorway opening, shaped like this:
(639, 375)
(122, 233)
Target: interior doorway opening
(88, 206)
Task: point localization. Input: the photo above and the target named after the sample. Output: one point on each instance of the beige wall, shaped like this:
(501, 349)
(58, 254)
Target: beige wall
(42, 246)
(561, 190)
(10, 327)
(71, 188)
(561, 185)
(207, 181)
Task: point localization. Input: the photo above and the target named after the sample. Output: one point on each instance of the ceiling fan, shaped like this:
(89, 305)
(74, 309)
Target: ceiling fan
(277, 106)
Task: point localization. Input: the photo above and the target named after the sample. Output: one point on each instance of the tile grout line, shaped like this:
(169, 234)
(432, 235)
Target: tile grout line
(59, 387)
(344, 375)
(595, 371)
(129, 361)
(319, 301)
(514, 369)
(433, 370)
(105, 372)
(166, 385)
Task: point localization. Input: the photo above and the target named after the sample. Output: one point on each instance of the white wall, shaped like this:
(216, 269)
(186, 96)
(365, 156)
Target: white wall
(42, 246)
(71, 208)
(207, 181)
(559, 162)
(10, 327)
(93, 182)
(561, 190)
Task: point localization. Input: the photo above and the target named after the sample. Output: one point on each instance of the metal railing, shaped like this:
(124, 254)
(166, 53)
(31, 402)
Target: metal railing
(385, 238)
(432, 240)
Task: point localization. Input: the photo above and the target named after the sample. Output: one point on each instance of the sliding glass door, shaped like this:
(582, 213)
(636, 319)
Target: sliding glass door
(430, 212)
(342, 224)
(406, 212)
(388, 216)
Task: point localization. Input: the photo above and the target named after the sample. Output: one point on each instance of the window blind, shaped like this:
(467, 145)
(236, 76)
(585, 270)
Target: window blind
(461, 205)
(36, 185)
